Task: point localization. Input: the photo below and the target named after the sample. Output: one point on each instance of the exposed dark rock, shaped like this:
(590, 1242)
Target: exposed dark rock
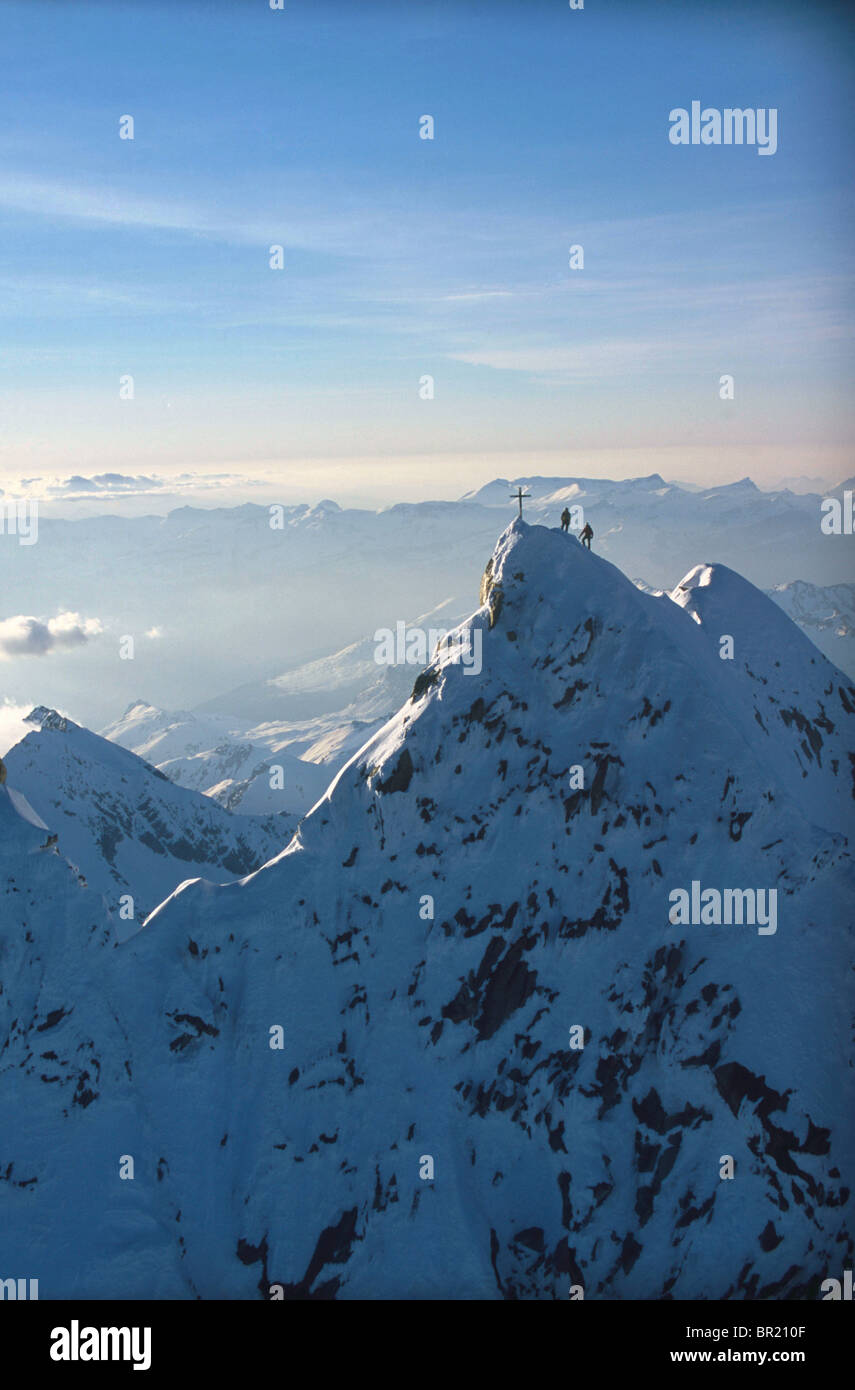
(398, 780)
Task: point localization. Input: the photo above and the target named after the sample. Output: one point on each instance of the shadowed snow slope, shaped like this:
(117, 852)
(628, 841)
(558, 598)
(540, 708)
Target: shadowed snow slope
(794, 695)
(451, 910)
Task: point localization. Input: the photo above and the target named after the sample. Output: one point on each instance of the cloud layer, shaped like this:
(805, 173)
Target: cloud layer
(13, 725)
(113, 485)
(28, 636)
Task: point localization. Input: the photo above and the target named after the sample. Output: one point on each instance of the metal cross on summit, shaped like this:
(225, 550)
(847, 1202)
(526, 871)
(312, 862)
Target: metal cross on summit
(518, 496)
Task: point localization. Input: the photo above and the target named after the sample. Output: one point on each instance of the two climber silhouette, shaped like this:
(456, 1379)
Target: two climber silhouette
(586, 535)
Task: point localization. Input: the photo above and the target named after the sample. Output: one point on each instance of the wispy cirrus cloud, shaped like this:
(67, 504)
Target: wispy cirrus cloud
(56, 199)
(351, 232)
(582, 362)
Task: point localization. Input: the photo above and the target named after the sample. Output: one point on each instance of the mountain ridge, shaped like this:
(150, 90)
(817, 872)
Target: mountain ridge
(123, 823)
(455, 908)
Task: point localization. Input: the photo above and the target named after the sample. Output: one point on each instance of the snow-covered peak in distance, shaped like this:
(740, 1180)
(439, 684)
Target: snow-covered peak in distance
(549, 490)
(246, 770)
(826, 613)
(647, 492)
(504, 1068)
(830, 608)
(146, 730)
(123, 824)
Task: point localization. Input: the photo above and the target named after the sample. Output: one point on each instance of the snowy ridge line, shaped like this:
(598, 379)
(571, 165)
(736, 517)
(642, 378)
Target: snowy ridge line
(447, 1043)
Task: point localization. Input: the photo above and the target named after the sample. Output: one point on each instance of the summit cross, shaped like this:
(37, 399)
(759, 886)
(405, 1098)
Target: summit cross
(518, 497)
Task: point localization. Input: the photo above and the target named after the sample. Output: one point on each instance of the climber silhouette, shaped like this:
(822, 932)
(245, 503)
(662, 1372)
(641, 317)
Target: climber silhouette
(586, 535)
(565, 520)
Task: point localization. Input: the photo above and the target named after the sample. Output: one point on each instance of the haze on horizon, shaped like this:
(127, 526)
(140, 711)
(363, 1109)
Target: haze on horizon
(405, 258)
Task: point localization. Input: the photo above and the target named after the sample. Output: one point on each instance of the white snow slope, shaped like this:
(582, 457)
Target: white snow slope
(411, 1033)
(249, 771)
(124, 825)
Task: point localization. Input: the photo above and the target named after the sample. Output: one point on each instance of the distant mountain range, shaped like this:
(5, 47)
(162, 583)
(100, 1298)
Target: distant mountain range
(222, 598)
(825, 614)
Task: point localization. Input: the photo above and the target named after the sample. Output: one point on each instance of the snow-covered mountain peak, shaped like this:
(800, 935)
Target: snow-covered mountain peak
(798, 701)
(710, 588)
(575, 635)
(123, 823)
(469, 957)
(49, 719)
(723, 602)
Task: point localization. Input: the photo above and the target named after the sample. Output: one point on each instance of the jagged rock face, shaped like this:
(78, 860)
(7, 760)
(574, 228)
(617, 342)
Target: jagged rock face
(454, 916)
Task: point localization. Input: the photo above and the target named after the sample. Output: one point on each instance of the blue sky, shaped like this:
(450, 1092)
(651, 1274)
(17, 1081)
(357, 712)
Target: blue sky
(406, 257)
